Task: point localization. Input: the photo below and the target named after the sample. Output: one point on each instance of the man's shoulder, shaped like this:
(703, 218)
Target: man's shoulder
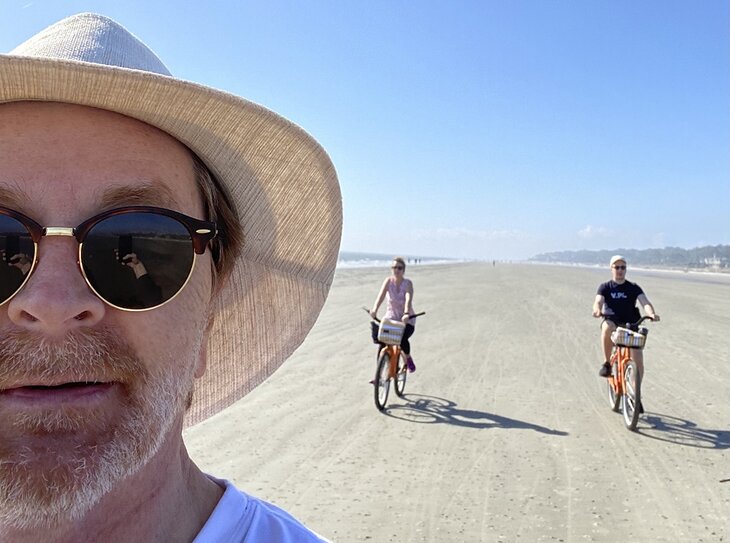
(241, 518)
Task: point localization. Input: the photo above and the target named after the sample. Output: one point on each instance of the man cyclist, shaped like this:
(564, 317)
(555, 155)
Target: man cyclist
(616, 302)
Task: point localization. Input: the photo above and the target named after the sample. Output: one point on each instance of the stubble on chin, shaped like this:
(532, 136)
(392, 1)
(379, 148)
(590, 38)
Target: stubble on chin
(56, 465)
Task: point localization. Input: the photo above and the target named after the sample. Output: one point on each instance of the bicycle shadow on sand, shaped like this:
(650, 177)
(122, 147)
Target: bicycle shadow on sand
(424, 409)
(682, 432)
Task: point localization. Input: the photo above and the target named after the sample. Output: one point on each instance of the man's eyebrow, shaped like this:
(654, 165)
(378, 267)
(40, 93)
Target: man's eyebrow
(151, 193)
(10, 198)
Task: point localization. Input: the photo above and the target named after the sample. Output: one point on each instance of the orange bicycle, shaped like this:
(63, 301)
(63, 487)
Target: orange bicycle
(390, 364)
(624, 383)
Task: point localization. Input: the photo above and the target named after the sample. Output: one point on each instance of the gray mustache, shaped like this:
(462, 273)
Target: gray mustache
(83, 355)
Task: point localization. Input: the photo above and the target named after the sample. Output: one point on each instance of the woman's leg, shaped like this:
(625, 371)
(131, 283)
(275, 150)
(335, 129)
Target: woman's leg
(405, 347)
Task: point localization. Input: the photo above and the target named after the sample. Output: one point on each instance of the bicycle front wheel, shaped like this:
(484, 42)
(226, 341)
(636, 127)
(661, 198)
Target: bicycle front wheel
(614, 394)
(382, 381)
(400, 377)
(631, 399)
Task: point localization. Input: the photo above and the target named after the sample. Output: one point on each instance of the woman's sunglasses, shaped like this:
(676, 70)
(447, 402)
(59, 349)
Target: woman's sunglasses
(396, 268)
(134, 258)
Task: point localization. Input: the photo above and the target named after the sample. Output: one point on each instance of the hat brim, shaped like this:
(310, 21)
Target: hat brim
(282, 183)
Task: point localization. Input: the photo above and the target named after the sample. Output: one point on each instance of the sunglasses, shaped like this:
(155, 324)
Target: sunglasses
(619, 267)
(134, 258)
(397, 268)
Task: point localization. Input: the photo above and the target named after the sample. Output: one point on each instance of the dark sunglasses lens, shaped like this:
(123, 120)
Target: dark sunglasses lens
(137, 260)
(18, 253)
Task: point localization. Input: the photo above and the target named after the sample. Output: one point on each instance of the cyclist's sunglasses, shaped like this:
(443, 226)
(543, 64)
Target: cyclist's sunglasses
(134, 258)
(619, 267)
(397, 268)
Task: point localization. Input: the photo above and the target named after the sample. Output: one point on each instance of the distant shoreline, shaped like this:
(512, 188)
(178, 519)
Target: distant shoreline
(366, 260)
(637, 267)
(720, 278)
(383, 261)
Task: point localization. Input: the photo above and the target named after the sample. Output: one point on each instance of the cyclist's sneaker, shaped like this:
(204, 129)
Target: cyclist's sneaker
(411, 365)
(605, 370)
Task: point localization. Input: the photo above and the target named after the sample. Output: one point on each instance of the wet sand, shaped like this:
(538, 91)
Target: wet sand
(505, 433)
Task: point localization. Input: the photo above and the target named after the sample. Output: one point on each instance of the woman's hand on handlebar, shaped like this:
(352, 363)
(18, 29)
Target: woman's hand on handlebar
(373, 314)
(407, 316)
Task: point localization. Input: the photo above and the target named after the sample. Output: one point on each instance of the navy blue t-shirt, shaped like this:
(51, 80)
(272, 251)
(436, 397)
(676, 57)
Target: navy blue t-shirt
(621, 300)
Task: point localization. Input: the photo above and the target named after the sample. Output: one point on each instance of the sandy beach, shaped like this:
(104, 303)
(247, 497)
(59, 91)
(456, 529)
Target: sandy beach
(505, 433)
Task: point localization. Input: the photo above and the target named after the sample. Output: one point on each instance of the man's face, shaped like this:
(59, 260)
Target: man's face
(618, 271)
(88, 394)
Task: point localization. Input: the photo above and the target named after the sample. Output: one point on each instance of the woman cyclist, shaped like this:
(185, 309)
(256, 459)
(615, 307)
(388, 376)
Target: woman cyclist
(399, 292)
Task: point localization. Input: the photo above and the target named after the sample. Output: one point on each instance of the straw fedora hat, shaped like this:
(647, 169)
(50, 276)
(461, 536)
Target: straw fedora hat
(281, 181)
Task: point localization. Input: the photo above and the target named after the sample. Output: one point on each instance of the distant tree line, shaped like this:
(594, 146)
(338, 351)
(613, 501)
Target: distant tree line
(708, 257)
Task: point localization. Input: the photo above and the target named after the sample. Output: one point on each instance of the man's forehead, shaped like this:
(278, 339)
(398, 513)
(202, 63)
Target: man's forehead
(40, 125)
(89, 159)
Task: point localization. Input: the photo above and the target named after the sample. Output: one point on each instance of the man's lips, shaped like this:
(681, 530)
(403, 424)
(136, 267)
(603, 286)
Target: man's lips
(68, 392)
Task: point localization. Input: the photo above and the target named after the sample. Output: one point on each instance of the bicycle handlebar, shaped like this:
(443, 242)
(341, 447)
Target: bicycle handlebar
(378, 320)
(637, 323)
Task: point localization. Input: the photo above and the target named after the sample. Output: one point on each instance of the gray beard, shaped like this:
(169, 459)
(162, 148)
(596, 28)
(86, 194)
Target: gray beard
(55, 483)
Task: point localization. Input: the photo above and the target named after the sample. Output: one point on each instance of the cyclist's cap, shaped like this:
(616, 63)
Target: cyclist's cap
(616, 258)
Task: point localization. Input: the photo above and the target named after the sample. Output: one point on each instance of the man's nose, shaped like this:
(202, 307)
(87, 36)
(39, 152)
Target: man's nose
(56, 298)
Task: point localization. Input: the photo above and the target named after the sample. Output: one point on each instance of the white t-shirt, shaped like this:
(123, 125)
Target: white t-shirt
(240, 518)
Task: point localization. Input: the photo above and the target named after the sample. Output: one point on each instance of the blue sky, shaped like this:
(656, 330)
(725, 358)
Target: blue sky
(475, 129)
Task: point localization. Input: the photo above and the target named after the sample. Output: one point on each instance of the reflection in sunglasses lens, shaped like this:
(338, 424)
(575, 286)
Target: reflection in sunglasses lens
(137, 260)
(18, 253)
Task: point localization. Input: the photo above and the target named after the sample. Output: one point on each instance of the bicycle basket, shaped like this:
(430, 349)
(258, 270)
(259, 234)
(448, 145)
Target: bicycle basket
(628, 338)
(390, 332)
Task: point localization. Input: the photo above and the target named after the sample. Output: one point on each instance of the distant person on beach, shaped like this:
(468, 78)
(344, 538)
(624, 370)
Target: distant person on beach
(616, 302)
(399, 292)
(241, 212)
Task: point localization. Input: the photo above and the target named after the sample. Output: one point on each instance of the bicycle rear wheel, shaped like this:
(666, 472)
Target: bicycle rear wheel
(381, 383)
(614, 397)
(400, 377)
(631, 399)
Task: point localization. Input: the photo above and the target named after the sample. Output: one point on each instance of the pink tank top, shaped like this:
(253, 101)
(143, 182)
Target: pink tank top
(397, 300)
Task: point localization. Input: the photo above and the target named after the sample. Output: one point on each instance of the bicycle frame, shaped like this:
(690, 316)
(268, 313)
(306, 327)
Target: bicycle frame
(394, 353)
(624, 382)
(393, 368)
(620, 356)
(389, 366)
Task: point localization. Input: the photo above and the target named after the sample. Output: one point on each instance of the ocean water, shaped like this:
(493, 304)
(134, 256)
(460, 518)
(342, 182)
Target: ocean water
(349, 259)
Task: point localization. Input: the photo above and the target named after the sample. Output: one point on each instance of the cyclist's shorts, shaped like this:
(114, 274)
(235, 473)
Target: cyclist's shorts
(606, 319)
(617, 322)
